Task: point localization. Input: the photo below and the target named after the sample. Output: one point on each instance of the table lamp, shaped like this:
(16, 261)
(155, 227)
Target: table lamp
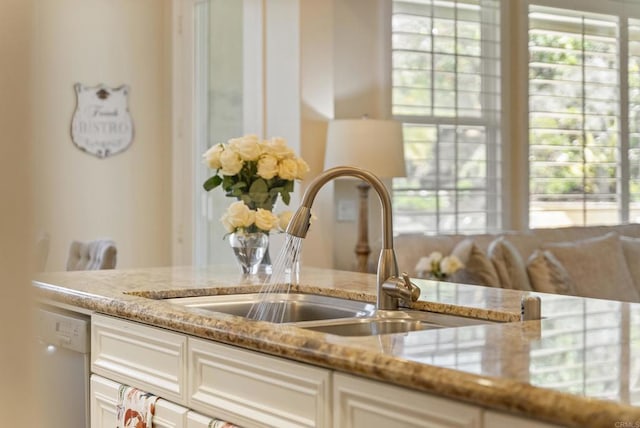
(374, 145)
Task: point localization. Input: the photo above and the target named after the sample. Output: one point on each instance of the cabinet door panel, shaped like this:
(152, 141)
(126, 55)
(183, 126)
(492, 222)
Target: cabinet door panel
(363, 403)
(149, 358)
(104, 399)
(500, 420)
(256, 390)
(196, 420)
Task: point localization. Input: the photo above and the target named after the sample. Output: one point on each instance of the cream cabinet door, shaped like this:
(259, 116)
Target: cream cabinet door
(363, 403)
(196, 420)
(149, 358)
(500, 420)
(256, 390)
(104, 399)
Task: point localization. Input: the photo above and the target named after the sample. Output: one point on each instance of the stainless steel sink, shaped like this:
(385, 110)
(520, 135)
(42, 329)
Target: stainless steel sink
(389, 322)
(327, 314)
(371, 327)
(291, 307)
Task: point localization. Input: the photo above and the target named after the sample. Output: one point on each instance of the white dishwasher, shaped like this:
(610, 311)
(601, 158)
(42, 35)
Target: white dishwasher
(63, 366)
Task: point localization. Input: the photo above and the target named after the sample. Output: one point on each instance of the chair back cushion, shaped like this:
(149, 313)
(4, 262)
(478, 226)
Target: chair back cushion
(93, 255)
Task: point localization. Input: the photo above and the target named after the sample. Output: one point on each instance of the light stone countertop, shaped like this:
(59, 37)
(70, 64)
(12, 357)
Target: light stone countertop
(579, 366)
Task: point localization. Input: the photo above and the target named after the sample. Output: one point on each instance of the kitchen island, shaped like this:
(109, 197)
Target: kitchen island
(578, 366)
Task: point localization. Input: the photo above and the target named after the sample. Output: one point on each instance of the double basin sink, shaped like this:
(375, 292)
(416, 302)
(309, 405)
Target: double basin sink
(326, 314)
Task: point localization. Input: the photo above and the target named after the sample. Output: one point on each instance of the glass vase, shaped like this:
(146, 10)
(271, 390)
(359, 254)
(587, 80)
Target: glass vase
(264, 267)
(249, 249)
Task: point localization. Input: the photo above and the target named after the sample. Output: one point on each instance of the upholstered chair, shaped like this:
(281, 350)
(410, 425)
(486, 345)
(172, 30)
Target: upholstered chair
(41, 251)
(92, 255)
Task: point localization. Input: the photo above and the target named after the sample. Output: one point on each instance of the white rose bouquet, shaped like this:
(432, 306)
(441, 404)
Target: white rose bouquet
(438, 267)
(239, 217)
(255, 172)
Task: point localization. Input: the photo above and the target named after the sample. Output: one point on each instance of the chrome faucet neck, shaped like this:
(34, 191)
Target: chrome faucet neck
(387, 265)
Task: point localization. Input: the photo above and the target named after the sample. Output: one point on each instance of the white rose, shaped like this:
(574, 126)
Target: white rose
(266, 220)
(450, 265)
(423, 265)
(267, 167)
(288, 169)
(230, 162)
(278, 148)
(303, 168)
(285, 218)
(238, 215)
(434, 258)
(248, 147)
(229, 227)
(212, 156)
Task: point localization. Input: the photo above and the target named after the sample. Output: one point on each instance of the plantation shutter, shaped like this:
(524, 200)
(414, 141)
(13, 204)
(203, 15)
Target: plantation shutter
(634, 119)
(446, 91)
(574, 117)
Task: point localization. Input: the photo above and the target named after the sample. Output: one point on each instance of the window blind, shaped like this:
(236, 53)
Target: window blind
(634, 119)
(446, 91)
(574, 117)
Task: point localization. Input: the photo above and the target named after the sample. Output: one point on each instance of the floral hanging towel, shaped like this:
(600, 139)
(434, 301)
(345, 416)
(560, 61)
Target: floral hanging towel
(217, 423)
(135, 408)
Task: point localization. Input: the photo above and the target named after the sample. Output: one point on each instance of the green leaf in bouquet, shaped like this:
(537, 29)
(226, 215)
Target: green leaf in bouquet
(259, 186)
(286, 197)
(288, 186)
(273, 192)
(227, 182)
(244, 197)
(212, 182)
(236, 189)
(259, 198)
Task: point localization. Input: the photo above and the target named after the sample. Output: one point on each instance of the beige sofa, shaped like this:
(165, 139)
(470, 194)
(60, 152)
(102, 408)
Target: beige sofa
(595, 261)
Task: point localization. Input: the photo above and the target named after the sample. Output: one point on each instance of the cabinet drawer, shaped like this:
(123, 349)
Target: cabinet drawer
(255, 390)
(149, 358)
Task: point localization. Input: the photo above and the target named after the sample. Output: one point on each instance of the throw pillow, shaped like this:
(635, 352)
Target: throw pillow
(509, 266)
(631, 248)
(547, 274)
(597, 267)
(525, 242)
(478, 269)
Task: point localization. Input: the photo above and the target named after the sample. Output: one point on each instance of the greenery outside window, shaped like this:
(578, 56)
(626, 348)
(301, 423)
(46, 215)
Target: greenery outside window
(584, 141)
(446, 92)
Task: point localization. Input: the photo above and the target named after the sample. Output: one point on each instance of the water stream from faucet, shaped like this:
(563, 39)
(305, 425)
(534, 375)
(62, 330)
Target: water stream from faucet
(285, 273)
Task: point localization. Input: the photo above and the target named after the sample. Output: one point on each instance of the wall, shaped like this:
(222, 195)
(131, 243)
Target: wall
(126, 197)
(361, 87)
(316, 109)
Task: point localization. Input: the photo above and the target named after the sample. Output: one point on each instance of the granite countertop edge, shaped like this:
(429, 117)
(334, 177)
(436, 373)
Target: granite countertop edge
(498, 393)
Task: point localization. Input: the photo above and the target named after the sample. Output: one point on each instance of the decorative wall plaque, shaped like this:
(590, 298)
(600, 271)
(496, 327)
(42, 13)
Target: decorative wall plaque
(102, 124)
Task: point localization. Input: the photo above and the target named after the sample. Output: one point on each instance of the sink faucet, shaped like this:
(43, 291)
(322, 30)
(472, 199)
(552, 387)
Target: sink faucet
(391, 287)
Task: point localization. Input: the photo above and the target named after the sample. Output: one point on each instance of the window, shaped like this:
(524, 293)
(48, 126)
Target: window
(446, 92)
(584, 144)
(634, 119)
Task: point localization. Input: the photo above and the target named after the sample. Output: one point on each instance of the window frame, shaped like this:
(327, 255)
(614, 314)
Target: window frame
(515, 207)
(494, 192)
(624, 10)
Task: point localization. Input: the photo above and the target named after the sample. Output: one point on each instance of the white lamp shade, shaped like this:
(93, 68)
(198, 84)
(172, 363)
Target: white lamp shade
(374, 145)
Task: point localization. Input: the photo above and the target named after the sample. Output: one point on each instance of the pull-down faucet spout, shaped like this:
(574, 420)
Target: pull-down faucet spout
(387, 272)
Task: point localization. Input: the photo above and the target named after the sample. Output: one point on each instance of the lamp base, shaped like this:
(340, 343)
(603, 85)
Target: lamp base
(362, 247)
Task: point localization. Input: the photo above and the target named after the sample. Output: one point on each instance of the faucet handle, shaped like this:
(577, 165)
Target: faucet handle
(401, 288)
(413, 289)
